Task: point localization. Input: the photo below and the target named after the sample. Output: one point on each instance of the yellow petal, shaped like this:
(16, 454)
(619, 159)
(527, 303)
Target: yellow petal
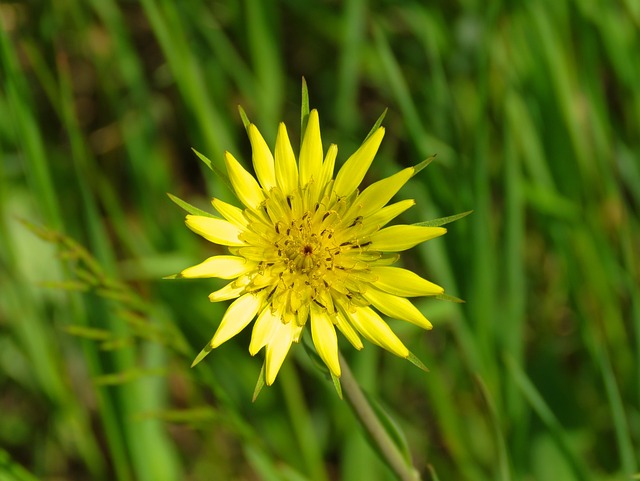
(262, 159)
(230, 212)
(230, 291)
(215, 230)
(325, 339)
(311, 151)
(404, 283)
(277, 349)
(376, 196)
(286, 168)
(356, 166)
(384, 216)
(402, 237)
(263, 330)
(397, 307)
(244, 184)
(328, 165)
(373, 328)
(224, 267)
(348, 331)
(239, 314)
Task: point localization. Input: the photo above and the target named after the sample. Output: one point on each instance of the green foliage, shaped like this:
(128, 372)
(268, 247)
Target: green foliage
(532, 109)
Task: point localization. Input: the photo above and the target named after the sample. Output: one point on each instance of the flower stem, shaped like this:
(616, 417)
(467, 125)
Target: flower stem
(367, 417)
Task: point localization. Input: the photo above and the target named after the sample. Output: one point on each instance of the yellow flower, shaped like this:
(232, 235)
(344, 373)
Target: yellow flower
(311, 248)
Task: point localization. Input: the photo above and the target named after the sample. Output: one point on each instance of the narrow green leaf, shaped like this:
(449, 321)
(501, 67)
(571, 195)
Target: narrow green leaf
(188, 207)
(450, 298)
(424, 164)
(413, 359)
(173, 276)
(245, 119)
(260, 384)
(304, 114)
(336, 385)
(205, 350)
(221, 175)
(443, 220)
(376, 126)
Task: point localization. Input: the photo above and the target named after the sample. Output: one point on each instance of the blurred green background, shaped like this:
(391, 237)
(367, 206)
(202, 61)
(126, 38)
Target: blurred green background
(534, 111)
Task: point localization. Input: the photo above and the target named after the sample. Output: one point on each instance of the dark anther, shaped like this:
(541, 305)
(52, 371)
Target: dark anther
(307, 250)
(356, 220)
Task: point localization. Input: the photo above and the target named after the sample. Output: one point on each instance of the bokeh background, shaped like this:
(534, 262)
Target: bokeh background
(534, 111)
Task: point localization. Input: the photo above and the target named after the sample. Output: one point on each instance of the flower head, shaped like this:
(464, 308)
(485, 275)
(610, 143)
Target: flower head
(310, 248)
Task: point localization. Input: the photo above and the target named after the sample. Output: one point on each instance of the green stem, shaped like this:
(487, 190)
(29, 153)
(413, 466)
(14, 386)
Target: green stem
(366, 416)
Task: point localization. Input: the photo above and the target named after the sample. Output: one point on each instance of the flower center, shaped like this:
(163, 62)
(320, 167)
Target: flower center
(308, 253)
(305, 248)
